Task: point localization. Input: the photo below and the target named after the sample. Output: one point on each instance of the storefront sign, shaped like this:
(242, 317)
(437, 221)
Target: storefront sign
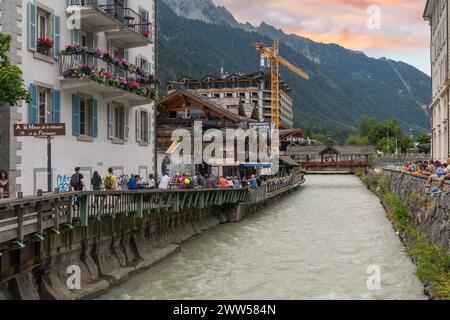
(39, 130)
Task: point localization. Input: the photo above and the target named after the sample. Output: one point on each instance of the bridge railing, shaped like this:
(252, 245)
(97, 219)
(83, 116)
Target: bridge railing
(51, 213)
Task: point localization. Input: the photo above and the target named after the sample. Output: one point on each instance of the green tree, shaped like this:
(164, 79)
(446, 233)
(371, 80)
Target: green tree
(424, 143)
(354, 140)
(12, 88)
(366, 124)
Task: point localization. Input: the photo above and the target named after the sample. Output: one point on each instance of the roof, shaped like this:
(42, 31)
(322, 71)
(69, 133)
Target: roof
(429, 7)
(221, 106)
(289, 161)
(201, 99)
(341, 150)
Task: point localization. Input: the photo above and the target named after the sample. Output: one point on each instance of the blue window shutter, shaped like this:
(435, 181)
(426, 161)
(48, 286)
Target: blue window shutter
(109, 46)
(149, 119)
(75, 36)
(56, 36)
(126, 127)
(56, 106)
(94, 120)
(32, 106)
(110, 121)
(75, 115)
(32, 27)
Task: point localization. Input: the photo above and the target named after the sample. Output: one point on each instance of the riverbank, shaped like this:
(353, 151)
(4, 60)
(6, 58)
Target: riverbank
(422, 222)
(314, 244)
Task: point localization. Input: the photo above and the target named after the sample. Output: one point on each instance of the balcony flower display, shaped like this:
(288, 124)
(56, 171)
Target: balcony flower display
(73, 49)
(45, 43)
(146, 33)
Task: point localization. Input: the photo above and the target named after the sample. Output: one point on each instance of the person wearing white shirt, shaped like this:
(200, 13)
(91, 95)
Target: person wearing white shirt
(164, 184)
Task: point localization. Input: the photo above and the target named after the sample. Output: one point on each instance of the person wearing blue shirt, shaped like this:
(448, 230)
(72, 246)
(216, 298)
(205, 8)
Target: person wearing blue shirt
(132, 183)
(253, 182)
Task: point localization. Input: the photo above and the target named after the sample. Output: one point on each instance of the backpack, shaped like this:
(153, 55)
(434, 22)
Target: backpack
(108, 182)
(75, 181)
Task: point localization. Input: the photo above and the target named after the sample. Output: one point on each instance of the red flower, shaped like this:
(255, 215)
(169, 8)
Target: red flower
(146, 33)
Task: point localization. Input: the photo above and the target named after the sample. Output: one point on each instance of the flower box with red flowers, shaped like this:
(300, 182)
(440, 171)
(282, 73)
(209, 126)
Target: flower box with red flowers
(146, 33)
(45, 43)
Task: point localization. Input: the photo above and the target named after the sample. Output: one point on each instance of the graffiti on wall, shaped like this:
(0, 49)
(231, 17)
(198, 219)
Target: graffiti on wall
(63, 183)
(122, 182)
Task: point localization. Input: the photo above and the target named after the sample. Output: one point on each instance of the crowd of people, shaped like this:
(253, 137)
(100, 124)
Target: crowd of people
(432, 170)
(178, 181)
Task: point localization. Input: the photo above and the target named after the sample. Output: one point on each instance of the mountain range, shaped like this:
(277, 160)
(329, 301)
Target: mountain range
(196, 38)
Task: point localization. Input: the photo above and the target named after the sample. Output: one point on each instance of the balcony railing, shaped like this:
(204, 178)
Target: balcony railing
(129, 18)
(100, 66)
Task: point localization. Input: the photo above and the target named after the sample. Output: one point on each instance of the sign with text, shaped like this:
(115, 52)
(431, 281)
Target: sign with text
(39, 130)
(260, 125)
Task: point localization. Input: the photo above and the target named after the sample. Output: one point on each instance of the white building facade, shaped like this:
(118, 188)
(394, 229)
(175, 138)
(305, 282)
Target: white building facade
(437, 13)
(101, 87)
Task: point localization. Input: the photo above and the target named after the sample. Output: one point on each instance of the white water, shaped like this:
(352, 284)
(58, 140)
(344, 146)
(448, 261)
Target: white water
(316, 243)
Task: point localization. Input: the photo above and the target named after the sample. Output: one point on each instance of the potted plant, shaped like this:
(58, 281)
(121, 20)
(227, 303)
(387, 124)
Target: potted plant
(146, 33)
(44, 45)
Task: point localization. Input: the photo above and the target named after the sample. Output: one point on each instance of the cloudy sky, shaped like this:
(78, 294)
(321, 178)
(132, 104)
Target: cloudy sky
(397, 32)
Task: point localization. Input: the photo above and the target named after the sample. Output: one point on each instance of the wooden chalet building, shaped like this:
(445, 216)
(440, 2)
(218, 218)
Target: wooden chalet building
(181, 109)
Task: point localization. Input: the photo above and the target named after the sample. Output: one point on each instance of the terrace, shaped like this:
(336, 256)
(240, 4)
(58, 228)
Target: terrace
(98, 72)
(121, 24)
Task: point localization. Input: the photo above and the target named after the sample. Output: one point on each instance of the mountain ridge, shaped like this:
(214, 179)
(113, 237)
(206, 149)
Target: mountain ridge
(344, 84)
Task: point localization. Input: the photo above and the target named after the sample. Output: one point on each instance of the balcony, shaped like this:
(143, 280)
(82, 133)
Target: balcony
(135, 32)
(97, 13)
(96, 72)
(122, 24)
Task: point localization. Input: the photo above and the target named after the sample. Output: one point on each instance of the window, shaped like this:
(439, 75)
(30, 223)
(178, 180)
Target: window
(216, 95)
(85, 117)
(44, 105)
(119, 122)
(143, 126)
(43, 29)
(229, 95)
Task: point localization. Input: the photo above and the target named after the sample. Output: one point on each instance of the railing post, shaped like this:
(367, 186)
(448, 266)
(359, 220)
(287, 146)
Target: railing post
(39, 218)
(19, 213)
(84, 211)
(140, 205)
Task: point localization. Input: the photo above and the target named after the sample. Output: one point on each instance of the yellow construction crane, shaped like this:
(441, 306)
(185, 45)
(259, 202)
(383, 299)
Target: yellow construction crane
(275, 61)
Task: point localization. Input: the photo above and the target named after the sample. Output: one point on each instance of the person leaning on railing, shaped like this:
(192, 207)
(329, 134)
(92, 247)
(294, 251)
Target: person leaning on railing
(4, 184)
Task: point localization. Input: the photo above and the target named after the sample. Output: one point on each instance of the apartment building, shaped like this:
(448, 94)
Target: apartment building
(89, 64)
(251, 88)
(437, 13)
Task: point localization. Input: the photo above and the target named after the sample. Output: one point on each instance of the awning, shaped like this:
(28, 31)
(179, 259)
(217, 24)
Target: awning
(253, 165)
(173, 147)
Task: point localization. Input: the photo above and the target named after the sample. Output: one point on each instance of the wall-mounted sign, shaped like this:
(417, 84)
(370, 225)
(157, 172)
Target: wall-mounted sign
(260, 125)
(39, 130)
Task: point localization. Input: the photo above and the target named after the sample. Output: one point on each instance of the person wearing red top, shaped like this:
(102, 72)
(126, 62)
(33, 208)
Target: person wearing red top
(223, 183)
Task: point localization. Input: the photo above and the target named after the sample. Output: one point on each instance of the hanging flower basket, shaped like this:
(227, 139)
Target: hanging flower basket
(146, 33)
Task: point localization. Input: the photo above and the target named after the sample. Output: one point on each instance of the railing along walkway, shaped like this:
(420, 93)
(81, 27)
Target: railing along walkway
(55, 212)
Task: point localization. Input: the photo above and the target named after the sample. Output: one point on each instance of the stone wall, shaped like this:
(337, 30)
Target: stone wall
(431, 213)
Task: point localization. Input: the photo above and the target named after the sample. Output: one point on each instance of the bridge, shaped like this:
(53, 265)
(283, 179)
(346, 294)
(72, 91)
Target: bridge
(34, 230)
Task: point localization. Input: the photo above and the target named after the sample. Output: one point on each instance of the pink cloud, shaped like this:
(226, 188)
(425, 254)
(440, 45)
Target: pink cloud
(344, 22)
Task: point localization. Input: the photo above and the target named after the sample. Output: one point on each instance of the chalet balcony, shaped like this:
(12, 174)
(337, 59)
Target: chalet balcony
(96, 72)
(121, 24)
(136, 31)
(97, 13)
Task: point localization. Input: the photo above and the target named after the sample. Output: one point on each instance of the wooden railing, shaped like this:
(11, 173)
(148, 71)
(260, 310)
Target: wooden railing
(51, 213)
